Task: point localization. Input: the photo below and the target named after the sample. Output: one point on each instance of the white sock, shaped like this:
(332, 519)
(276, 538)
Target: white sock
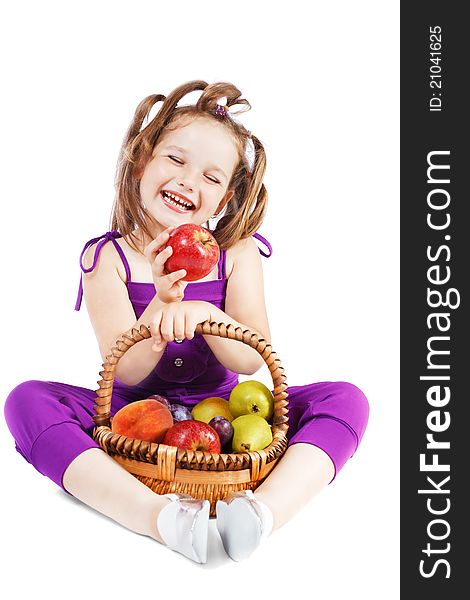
(184, 531)
(165, 521)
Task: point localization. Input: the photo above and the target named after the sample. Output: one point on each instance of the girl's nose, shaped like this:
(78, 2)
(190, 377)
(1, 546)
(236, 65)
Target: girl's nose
(183, 183)
(187, 180)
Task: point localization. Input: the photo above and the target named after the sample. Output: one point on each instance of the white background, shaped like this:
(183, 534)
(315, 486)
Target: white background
(323, 82)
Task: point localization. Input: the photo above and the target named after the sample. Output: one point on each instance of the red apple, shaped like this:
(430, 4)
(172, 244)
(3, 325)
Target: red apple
(194, 249)
(193, 435)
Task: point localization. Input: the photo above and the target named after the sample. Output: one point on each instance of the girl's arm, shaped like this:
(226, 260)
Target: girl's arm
(244, 306)
(111, 314)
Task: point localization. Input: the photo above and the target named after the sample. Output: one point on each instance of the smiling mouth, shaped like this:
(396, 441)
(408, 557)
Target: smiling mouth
(177, 201)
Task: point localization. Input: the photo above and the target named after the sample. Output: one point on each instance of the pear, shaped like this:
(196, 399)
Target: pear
(250, 432)
(251, 398)
(207, 409)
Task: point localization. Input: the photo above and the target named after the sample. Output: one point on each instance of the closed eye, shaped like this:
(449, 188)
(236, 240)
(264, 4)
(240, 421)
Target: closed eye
(178, 161)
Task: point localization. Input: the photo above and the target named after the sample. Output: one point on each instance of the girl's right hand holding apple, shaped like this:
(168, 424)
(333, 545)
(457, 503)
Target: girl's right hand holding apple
(168, 287)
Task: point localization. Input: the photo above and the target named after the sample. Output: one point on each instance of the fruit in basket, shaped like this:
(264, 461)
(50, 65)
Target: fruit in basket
(161, 399)
(147, 420)
(251, 398)
(193, 435)
(180, 413)
(250, 433)
(225, 430)
(207, 409)
(194, 249)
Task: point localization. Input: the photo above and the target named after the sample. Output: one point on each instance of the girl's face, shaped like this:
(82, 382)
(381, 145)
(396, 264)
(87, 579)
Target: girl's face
(186, 180)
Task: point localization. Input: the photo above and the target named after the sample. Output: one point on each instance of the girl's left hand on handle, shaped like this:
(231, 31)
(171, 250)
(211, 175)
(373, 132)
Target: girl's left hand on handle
(177, 320)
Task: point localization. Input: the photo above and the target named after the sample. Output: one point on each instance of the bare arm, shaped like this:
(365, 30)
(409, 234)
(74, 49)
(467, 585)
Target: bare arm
(244, 306)
(111, 314)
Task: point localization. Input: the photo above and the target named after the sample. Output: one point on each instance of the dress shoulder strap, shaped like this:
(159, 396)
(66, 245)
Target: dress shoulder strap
(266, 243)
(102, 240)
(223, 255)
(221, 264)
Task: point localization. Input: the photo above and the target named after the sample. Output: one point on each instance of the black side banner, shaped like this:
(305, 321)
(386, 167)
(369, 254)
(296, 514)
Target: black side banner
(435, 361)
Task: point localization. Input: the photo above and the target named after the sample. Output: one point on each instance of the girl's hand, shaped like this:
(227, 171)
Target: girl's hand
(169, 287)
(177, 320)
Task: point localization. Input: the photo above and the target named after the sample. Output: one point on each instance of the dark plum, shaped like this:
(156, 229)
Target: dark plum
(224, 429)
(160, 399)
(180, 413)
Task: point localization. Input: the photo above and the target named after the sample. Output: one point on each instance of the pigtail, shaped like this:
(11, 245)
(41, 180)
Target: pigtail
(142, 113)
(126, 210)
(246, 210)
(211, 95)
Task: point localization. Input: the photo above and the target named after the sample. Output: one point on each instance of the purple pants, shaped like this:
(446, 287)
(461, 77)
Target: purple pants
(52, 422)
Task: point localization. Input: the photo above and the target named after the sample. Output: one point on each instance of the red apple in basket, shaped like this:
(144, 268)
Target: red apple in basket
(193, 435)
(194, 249)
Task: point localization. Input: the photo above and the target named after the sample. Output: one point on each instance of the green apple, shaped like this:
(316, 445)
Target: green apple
(251, 398)
(250, 433)
(207, 409)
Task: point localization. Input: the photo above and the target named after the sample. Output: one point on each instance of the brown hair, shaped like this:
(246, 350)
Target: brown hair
(245, 211)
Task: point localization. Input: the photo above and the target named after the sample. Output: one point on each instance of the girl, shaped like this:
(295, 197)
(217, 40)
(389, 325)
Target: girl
(187, 164)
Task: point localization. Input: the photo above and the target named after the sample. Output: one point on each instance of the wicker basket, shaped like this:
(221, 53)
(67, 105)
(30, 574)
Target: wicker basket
(167, 469)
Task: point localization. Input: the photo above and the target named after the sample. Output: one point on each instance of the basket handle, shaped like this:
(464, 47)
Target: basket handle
(127, 340)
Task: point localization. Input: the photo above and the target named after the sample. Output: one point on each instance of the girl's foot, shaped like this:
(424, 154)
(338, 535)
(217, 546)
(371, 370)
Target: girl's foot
(242, 522)
(183, 525)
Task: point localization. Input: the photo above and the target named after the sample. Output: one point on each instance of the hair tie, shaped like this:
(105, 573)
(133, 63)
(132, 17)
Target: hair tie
(221, 111)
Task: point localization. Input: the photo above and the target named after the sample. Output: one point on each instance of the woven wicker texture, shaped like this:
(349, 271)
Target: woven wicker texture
(167, 469)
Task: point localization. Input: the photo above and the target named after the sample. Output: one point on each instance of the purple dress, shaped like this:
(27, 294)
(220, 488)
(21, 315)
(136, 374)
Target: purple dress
(52, 424)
